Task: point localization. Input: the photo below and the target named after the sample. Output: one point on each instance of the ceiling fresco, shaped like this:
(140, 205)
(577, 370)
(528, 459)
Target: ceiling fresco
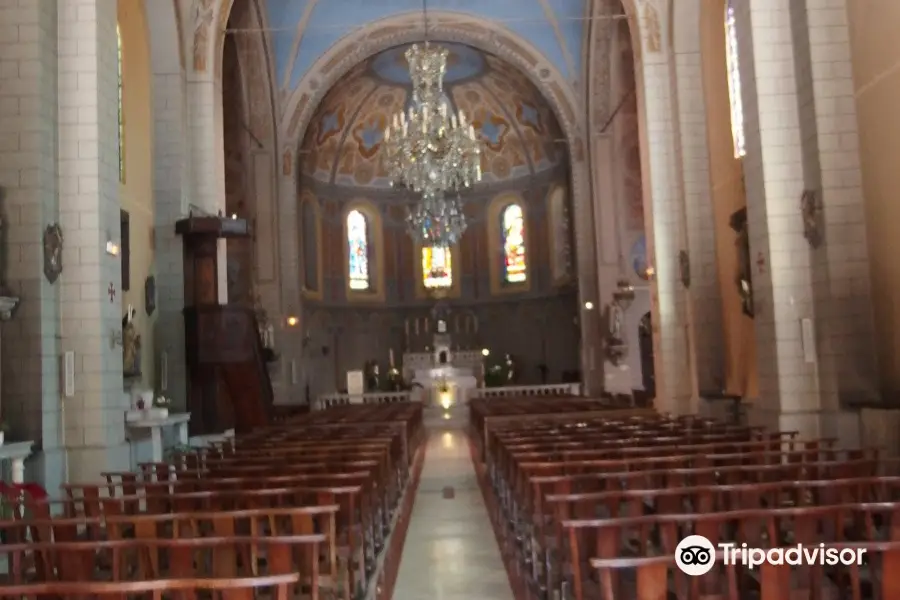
(303, 30)
(517, 127)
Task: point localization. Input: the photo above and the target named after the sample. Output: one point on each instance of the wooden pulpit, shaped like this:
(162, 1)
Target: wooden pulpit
(228, 381)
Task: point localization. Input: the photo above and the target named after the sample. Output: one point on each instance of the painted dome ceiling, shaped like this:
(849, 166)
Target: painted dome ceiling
(518, 128)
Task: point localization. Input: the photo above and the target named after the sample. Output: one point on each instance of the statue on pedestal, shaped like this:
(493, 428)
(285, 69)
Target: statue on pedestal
(131, 345)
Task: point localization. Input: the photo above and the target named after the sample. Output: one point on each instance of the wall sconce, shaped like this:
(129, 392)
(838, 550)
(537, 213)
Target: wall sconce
(292, 321)
(650, 273)
(112, 248)
(485, 352)
(588, 305)
(624, 294)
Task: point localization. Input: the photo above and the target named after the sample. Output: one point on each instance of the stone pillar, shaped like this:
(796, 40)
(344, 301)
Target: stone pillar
(664, 215)
(171, 161)
(704, 297)
(207, 186)
(89, 210)
(28, 143)
(290, 342)
(802, 135)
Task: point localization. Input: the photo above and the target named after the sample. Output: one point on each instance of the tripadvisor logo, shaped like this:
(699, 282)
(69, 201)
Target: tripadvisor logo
(695, 555)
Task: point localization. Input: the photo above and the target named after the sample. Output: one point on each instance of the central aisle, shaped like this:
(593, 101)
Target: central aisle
(450, 551)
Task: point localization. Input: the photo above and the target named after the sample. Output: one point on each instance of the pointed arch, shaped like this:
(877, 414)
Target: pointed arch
(363, 244)
(507, 228)
(733, 64)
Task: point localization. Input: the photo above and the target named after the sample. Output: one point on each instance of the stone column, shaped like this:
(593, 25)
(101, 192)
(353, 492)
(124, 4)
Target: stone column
(89, 210)
(704, 297)
(28, 144)
(290, 341)
(206, 143)
(801, 134)
(664, 215)
(171, 162)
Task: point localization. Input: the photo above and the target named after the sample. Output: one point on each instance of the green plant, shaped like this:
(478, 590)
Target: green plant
(495, 376)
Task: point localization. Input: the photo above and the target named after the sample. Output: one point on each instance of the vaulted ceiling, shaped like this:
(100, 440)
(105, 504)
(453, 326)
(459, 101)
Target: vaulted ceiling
(302, 30)
(343, 144)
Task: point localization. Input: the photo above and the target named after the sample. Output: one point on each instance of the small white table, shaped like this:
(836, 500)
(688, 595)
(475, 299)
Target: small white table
(177, 420)
(16, 452)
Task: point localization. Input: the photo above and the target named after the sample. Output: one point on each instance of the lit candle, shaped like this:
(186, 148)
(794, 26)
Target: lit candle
(387, 134)
(471, 132)
(462, 118)
(391, 357)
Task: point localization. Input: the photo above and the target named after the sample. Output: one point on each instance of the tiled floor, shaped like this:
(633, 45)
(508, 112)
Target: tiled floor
(450, 551)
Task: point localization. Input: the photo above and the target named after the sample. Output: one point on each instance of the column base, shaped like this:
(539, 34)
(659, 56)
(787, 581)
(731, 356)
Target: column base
(47, 467)
(86, 463)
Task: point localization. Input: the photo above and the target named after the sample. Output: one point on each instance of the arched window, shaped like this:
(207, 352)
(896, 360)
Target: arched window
(358, 244)
(513, 230)
(121, 112)
(437, 267)
(734, 81)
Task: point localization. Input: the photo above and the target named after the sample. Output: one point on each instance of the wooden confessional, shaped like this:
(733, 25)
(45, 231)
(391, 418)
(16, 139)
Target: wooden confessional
(228, 381)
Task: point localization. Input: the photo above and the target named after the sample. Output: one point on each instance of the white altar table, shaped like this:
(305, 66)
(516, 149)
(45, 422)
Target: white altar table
(155, 426)
(459, 383)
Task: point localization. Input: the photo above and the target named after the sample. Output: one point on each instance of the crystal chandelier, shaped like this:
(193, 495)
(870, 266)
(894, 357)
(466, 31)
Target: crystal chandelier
(429, 149)
(437, 221)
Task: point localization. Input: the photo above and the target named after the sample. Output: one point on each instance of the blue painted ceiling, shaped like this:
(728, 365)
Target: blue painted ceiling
(555, 27)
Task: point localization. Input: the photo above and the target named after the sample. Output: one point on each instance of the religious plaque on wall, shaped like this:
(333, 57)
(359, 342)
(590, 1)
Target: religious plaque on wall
(150, 294)
(810, 210)
(53, 248)
(684, 264)
(125, 236)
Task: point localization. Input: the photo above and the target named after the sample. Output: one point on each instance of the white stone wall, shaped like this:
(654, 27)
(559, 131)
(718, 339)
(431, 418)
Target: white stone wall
(28, 179)
(801, 133)
(172, 167)
(704, 297)
(89, 212)
(664, 214)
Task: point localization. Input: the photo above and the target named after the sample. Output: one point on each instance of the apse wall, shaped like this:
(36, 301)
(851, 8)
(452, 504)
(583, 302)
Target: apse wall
(524, 163)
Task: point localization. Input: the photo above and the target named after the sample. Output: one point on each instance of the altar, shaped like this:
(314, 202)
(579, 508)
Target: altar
(445, 386)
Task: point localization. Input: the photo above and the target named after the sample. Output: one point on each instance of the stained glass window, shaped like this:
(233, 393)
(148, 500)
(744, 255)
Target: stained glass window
(513, 222)
(121, 112)
(437, 269)
(358, 241)
(734, 82)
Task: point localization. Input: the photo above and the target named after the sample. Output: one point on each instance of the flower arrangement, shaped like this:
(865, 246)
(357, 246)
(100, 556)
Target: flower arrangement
(162, 402)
